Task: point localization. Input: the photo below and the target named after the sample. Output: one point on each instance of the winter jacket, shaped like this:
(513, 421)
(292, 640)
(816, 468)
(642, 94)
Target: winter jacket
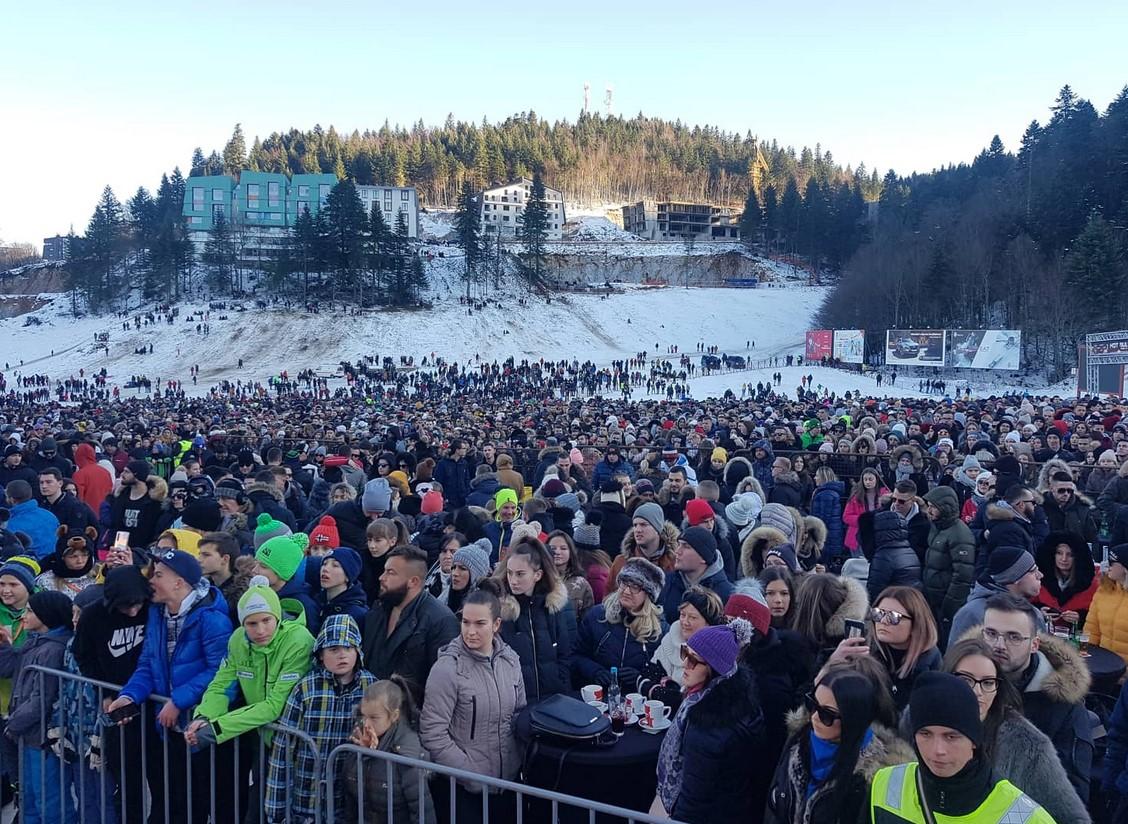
(728, 549)
(714, 578)
(352, 602)
(324, 709)
(541, 629)
(266, 498)
(12, 620)
(108, 643)
(455, 478)
(423, 628)
(614, 527)
(736, 470)
(94, 483)
(37, 523)
(297, 602)
(783, 669)
(762, 469)
(265, 674)
(901, 686)
(788, 800)
(1077, 516)
(949, 563)
(853, 510)
(1076, 595)
(410, 795)
(971, 614)
(826, 505)
(200, 648)
(722, 736)
(483, 488)
(1115, 779)
(894, 563)
(604, 643)
(72, 513)
(1003, 526)
(1107, 621)
(1097, 481)
(33, 697)
(787, 490)
(500, 534)
(668, 544)
(673, 507)
(472, 700)
(23, 472)
(605, 471)
(137, 517)
(668, 653)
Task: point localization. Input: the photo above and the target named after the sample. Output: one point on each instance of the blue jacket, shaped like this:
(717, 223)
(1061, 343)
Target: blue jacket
(455, 478)
(714, 579)
(500, 535)
(762, 469)
(604, 471)
(826, 505)
(195, 660)
(298, 591)
(38, 524)
(1116, 756)
(602, 645)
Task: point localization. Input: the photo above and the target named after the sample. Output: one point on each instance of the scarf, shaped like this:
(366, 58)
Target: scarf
(670, 757)
(903, 472)
(175, 623)
(822, 757)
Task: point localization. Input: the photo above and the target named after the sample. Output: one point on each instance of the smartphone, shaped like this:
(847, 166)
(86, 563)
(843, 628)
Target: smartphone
(121, 540)
(124, 713)
(855, 629)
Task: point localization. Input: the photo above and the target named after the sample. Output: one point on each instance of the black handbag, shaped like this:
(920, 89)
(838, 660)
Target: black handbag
(568, 719)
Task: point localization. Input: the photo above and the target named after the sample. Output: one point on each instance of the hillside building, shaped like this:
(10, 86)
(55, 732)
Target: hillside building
(674, 220)
(55, 248)
(502, 207)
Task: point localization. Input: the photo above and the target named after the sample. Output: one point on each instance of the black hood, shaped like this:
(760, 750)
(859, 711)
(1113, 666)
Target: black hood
(125, 586)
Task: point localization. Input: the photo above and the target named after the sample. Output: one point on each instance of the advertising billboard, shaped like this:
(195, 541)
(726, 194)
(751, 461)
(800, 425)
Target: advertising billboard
(850, 345)
(914, 347)
(983, 348)
(820, 344)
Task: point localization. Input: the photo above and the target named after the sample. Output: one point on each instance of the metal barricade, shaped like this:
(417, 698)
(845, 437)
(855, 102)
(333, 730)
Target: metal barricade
(492, 800)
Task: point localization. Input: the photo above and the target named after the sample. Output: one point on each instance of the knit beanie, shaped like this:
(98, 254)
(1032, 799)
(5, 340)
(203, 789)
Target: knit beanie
(350, 562)
(719, 454)
(52, 608)
(432, 503)
(140, 469)
(269, 528)
(744, 509)
(569, 500)
(228, 488)
(202, 514)
(747, 602)
(475, 559)
(611, 492)
(644, 574)
(703, 543)
(325, 535)
(553, 487)
(697, 510)
(504, 496)
(259, 598)
(940, 699)
(377, 496)
(778, 517)
(786, 553)
(183, 565)
(576, 456)
(586, 535)
(1006, 564)
(652, 514)
(23, 569)
(644, 485)
(283, 555)
(719, 646)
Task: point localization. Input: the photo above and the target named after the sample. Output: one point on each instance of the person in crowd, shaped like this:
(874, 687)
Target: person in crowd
(567, 563)
(406, 627)
(823, 604)
(322, 705)
(388, 722)
(538, 622)
(779, 593)
(700, 607)
(1069, 580)
(906, 463)
(826, 505)
(48, 624)
(624, 631)
(438, 576)
(1107, 621)
(651, 537)
(865, 496)
(893, 562)
(282, 562)
(93, 482)
(696, 563)
(1010, 569)
(218, 553)
(71, 569)
(1017, 520)
(837, 745)
(340, 591)
(380, 537)
(1053, 680)
(186, 638)
(983, 494)
(595, 563)
(136, 504)
(26, 516)
(474, 692)
(949, 562)
(468, 567)
(507, 514)
(614, 522)
(1067, 510)
(716, 732)
(952, 779)
(67, 508)
(699, 512)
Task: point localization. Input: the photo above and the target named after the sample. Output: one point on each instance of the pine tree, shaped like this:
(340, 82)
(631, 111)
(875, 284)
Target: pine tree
(379, 240)
(418, 277)
(533, 231)
(790, 213)
(347, 226)
(400, 254)
(1096, 272)
(198, 163)
(771, 215)
(104, 249)
(752, 220)
(219, 255)
(468, 232)
(235, 153)
(304, 246)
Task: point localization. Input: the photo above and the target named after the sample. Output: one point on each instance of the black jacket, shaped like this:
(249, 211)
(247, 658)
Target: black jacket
(542, 631)
(424, 627)
(787, 491)
(352, 525)
(23, 472)
(780, 662)
(1077, 516)
(72, 513)
(894, 561)
(265, 498)
(615, 526)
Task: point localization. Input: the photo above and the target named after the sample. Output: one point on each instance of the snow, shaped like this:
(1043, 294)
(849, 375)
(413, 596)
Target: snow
(597, 227)
(436, 224)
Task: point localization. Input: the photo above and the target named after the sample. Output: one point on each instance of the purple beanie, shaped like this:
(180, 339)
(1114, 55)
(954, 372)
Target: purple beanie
(719, 646)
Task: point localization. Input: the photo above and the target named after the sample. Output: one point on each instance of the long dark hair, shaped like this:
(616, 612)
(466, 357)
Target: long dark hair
(573, 570)
(779, 573)
(1007, 698)
(857, 707)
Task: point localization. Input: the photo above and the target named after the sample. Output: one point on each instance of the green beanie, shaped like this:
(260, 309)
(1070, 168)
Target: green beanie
(283, 554)
(268, 528)
(259, 598)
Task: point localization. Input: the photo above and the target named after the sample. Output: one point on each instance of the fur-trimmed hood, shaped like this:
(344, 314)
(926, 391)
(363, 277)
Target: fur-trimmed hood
(752, 549)
(554, 602)
(266, 489)
(549, 450)
(885, 749)
(157, 486)
(1002, 511)
(737, 468)
(1049, 468)
(629, 547)
(814, 539)
(913, 451)
(868, 440)
(855, 606)
(1062, 673)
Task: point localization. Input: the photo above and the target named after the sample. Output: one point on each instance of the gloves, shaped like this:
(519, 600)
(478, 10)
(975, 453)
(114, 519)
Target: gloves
(604, 679)
(61, 746)
(94, 752)
(628, 679)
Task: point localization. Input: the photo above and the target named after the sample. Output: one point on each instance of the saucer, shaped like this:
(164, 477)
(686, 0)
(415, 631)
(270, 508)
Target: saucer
(664, 724)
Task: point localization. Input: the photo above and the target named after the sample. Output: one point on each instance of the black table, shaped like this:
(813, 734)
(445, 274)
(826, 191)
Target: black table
(623, 774)
(1106, 667)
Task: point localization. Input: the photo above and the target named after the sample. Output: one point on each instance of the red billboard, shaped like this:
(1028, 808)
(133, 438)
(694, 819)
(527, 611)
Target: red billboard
(820, 344)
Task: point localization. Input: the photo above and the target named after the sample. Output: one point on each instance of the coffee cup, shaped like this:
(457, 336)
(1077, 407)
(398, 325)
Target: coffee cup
(635, 700)
(656, 713)
(592, 692)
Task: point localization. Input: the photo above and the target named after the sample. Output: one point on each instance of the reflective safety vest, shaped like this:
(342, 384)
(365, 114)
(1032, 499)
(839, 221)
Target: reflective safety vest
(893, 800)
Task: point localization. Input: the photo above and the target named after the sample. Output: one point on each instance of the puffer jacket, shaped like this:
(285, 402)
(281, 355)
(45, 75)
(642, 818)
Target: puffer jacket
(266, 498)
(894, 562)
(407, 800)
(483, 488)
(949, 561)
(29, 711)
(199, 651)
(714, 578)
(1003, 527)
(826, 505)
(608, 642)
(265, 674)
(472, 700)
(762, 469)
(541, 629)
(1107, 621)
(629, 549)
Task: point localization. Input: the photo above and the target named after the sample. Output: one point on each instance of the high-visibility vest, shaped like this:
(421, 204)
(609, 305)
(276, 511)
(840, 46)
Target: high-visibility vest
(894, 800)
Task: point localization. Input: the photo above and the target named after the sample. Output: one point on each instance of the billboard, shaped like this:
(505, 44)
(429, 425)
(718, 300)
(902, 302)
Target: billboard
(1102, 360)
(983, 348)
(914, 347)
(819, 344)
(850, 345)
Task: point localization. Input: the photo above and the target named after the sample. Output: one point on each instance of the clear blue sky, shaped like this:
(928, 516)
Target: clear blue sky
(118, 92)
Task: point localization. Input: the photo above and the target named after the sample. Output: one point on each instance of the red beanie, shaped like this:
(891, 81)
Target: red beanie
(697, 511)
(740, 605)
(432, 503)
(325, 535)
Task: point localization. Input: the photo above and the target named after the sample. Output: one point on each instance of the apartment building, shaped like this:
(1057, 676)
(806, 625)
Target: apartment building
(503, 206)
(675, 220)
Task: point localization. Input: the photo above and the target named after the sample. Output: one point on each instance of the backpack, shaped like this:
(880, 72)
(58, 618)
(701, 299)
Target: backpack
(567, 720)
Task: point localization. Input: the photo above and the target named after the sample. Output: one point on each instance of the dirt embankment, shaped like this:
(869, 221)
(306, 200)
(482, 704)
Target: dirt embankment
(35, 282)
(700, 270)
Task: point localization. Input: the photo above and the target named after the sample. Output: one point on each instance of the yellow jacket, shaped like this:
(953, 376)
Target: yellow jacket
(894, 800)
(1107, 621)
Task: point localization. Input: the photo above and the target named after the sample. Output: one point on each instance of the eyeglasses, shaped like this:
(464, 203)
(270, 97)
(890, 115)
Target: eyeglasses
(630, 586)
(382, 465)
(902, 501)
(889, 616)
(1065, 492)
(1011, 639)
(829, 716)
(688, 658)
(984, 684)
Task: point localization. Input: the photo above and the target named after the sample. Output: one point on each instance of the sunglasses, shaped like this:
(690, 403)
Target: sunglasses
(828, 716)
(688, 658)
(889, 616)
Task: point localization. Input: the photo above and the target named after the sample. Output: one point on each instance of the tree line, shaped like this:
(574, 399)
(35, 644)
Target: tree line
(1035, 240)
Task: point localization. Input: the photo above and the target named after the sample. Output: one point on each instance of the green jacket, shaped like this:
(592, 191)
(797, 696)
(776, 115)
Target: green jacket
(10, 618)
(266, 676)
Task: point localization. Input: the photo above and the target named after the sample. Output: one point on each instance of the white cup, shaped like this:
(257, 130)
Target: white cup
(656, 713)
(592, 692)
(635, 700)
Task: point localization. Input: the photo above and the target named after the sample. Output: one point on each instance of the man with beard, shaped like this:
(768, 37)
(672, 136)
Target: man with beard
(406, 626)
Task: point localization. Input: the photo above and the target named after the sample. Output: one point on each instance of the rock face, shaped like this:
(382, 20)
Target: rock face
(673, 268)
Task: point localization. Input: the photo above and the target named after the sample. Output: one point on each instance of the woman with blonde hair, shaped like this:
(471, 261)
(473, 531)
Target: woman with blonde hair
(1107, 621)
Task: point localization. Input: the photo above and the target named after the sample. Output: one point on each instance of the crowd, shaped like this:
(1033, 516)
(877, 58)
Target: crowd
(856, 609)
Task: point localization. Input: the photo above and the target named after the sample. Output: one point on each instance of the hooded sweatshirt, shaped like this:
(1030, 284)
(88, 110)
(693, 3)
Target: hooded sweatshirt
(93, 481)
(107, 642)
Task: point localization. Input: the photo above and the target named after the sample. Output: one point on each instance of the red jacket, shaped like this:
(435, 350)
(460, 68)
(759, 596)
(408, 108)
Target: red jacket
(1079, 602)
(94, 482)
